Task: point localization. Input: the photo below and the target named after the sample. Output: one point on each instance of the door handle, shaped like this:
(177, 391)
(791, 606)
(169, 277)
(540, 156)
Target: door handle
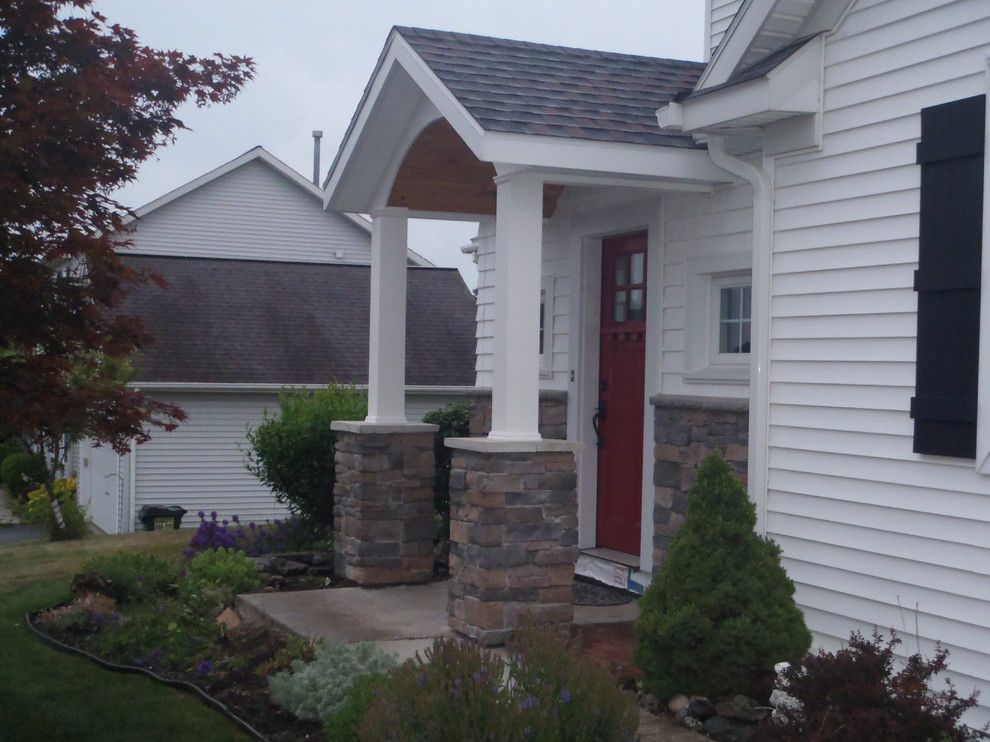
(596, 423)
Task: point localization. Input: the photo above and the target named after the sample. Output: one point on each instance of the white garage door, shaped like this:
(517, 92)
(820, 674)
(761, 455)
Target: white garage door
(201, 465)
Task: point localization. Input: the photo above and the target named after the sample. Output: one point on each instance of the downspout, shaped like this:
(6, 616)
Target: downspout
(759, 383)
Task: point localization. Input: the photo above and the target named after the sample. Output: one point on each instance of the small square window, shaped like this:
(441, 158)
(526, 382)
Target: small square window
(734, 322)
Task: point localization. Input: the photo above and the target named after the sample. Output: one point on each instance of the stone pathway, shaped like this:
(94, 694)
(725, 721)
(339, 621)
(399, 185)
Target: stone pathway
(11, 529)
(7, 516)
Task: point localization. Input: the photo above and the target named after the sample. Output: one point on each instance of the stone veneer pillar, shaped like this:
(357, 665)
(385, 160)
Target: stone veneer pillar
(383, 502)
(687, 430)
(513, 536)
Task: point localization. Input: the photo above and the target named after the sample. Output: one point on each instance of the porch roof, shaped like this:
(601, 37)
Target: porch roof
(577, 116)
(527, 88)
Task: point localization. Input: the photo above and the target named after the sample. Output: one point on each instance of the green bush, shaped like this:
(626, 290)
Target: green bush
(10, 446)
(134, 576)
(345, 724)
(20, 472)
(292, 452)
(38, 509)
(157, 633)
(464, 692)
(319, 689)
(219, 573)
(454, 421)
(721, 612)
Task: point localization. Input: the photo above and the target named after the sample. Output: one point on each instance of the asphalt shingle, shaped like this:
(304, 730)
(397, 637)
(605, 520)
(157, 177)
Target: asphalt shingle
(527, 88)
(242, 321)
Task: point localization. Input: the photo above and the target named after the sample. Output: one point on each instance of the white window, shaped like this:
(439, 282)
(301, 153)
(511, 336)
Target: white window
(718, 319)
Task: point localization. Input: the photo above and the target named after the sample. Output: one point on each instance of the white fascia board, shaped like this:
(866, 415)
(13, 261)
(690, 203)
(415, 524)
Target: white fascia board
(744, 27)
(398, 52)
(983, 396)
(602, 158)
(792, 89)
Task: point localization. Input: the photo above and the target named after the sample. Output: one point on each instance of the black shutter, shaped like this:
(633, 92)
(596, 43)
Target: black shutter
(948, 277)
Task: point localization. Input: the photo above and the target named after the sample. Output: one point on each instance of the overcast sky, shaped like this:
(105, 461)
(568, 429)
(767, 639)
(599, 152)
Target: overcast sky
(314, 57)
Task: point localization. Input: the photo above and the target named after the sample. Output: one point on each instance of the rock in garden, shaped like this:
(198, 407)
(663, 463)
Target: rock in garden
(650, 703)
(677, 703)
(306, 557)
(288, 567)
(741, 709)
(691, 723)
(700, 708)
(321, 559)
(229, 619)
(264, 564)
(322, 570)
(726, 730)
(90, 582)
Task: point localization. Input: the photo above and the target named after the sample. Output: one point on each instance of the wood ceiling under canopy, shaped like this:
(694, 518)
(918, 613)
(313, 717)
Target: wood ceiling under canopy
(441, 174)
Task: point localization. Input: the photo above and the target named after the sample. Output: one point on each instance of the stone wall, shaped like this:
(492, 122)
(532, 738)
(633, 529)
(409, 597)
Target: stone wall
(553, 413)
(383, 503)
(686, 431)
(513, 536)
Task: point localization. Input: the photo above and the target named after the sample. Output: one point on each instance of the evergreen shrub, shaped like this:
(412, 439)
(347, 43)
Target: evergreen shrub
(721, 613)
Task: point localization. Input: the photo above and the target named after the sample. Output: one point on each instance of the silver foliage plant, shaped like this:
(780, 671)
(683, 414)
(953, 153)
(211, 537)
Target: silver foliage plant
(319, 689)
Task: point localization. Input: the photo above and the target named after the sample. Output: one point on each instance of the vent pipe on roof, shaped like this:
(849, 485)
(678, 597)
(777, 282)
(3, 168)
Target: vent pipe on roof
(316, 156)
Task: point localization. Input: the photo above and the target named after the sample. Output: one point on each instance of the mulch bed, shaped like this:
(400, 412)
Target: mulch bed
(587, 592)
(233, 680)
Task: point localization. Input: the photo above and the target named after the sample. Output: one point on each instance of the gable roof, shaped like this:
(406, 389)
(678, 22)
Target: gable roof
(528, 88)
(225, 321)
(260, 154)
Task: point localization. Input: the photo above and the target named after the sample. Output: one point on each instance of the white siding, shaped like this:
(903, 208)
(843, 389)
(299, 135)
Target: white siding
(872, 533)
(201, 464)
(252, 212)
(720, 15)
(697, 226)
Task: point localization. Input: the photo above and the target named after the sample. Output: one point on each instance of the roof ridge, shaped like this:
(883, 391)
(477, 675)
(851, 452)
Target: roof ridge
(403, 30)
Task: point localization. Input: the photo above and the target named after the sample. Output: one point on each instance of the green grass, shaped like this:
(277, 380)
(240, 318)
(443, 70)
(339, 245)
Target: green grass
(50, 695)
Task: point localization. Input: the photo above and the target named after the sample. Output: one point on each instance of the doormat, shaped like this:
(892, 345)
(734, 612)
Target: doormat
(594, 593)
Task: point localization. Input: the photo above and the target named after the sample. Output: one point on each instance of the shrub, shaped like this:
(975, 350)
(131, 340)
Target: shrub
(134, 576)
(855, 694)
(10, 446)
(454, 420)
(158, 633)
(345, 724)
(38, 509)
(721, 612)
(292, 452)
(220, 573)
(20, 471)
(462, 691)
(319, 689)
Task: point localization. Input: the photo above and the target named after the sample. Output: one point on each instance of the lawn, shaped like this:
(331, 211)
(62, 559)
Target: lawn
(49, 695)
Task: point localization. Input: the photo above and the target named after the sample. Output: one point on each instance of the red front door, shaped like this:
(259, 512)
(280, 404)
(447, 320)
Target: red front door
(619, 417)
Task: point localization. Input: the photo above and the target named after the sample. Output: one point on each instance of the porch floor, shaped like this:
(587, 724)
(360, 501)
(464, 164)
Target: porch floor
(403, 619)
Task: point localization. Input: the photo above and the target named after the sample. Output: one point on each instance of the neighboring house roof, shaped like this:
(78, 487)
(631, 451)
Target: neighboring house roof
(260, 154)
(257, 322)
(527, 88)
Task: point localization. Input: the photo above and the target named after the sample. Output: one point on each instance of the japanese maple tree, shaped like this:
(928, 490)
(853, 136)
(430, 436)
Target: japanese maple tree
(82, 104)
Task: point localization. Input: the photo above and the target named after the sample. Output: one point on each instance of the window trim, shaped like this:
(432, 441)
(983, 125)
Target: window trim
(706, 275)
(722, 281)
(546, 305)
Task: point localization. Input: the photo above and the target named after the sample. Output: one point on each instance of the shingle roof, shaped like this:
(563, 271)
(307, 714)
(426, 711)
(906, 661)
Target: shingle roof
(242, 321)
(527, 88)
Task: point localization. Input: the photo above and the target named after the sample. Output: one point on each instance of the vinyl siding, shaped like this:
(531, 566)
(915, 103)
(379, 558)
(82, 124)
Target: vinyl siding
(252, 212)
(697, 226)
(720, 15)
(201, 465)
(872, 533)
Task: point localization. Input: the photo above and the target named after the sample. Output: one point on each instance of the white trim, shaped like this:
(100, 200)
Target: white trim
(745, 25)
(761, 178)
(220, 387)
(983, 393)
(547, 282)
(128, 527)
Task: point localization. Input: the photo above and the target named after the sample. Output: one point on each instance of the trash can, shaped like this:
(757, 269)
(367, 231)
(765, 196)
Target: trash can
(161, 517)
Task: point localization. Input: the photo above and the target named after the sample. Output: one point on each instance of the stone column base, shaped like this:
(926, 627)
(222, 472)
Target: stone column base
(513, 536)
(383, 502)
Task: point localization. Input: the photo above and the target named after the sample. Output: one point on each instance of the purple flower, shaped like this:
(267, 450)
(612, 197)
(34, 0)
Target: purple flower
(420, 680)
(565, 696)
(213, 515)
(203, 668)
(235, 519)
(527, 703)
(201, 514)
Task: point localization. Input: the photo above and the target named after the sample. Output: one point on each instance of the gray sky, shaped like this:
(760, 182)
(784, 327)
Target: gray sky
(314, 58)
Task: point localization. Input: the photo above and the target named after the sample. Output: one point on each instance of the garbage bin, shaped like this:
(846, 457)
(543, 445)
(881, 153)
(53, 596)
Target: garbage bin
(161, 517)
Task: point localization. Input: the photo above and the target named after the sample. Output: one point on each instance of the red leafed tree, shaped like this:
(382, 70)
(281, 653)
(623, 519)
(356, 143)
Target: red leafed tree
(82, 104)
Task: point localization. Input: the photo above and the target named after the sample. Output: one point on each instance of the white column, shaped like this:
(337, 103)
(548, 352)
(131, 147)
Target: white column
(387, 341)
(516, 361)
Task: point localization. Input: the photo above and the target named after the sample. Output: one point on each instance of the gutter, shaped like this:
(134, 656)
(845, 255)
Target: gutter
(759, 391)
